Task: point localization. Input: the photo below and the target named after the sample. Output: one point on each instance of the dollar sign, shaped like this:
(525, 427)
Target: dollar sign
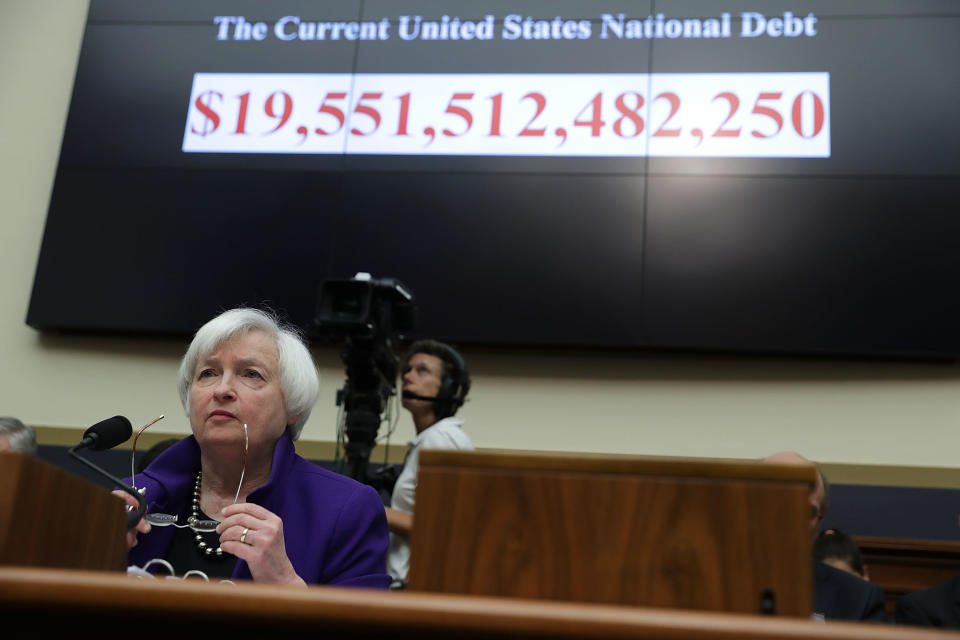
(211, 119)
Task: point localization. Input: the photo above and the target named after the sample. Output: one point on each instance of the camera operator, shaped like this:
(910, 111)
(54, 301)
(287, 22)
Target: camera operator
(435, 384)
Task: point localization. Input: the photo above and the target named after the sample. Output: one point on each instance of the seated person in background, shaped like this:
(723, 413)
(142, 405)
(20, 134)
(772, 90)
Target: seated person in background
(837, 549)
(248, 385)
(938, 606)
(837, 595)
(435, 384)
(16, 436)
(151, 454)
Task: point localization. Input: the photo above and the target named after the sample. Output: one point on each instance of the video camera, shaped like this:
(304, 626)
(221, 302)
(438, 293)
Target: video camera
(369, 315)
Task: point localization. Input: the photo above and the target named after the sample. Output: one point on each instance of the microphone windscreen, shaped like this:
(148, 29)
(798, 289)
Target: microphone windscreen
(109, 433)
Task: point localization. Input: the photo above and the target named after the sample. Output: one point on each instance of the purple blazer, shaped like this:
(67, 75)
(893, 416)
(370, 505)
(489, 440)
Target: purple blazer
(334, 528)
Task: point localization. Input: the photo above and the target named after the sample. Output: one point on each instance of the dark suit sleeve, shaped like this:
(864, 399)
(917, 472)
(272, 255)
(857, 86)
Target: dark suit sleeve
(839, 595)
(875, 608)
(938, 606)
(909, 611)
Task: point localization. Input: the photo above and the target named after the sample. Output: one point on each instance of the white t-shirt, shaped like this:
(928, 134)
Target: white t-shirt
(445, 434)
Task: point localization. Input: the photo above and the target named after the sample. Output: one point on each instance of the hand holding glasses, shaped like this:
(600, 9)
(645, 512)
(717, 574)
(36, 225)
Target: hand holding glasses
(166, 519)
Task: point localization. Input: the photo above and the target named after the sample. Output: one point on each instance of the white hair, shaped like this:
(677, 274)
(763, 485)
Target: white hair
(21, 437)
(299, 380)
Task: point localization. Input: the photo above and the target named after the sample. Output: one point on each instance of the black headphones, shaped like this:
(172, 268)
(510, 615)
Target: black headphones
(454, 385)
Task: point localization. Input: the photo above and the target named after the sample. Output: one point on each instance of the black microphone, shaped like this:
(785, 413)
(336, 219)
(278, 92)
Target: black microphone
(413, 396)
(107, 434)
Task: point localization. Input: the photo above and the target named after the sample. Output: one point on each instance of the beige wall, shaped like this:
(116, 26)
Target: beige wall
(832, 411)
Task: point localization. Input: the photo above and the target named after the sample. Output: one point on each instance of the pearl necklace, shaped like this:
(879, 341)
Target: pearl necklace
(202, 546)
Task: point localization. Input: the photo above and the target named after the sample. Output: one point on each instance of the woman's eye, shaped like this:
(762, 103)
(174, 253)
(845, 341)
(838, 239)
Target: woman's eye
(207, 373)
(252, 373)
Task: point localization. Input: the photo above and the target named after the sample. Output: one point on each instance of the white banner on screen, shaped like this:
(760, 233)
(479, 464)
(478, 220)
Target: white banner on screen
(737, 115)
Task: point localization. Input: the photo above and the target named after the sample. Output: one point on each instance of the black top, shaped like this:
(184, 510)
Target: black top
(184, 555)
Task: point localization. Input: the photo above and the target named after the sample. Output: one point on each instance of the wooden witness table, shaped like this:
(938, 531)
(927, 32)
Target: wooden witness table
(690, 533)
(526, 565)
(114, 605)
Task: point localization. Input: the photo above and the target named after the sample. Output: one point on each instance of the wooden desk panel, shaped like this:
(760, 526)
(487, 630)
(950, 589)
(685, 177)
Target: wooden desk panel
(51, 518)
(51, 602)
(650, 531)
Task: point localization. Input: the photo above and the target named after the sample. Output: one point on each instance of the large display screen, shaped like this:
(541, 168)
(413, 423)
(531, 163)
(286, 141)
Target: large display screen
(763, 177)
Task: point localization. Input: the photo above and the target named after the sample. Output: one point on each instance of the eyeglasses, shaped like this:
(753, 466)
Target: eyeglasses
(133, 452)
(170, 520)
(143, 572)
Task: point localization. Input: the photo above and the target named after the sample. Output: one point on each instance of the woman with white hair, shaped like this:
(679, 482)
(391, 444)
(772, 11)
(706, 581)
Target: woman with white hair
(248, 385)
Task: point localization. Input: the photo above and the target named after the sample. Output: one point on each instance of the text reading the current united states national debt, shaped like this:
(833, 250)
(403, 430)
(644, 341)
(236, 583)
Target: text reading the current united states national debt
(606, 26)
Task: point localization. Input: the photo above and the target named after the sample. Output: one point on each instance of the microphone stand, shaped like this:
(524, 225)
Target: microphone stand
(133, 517)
